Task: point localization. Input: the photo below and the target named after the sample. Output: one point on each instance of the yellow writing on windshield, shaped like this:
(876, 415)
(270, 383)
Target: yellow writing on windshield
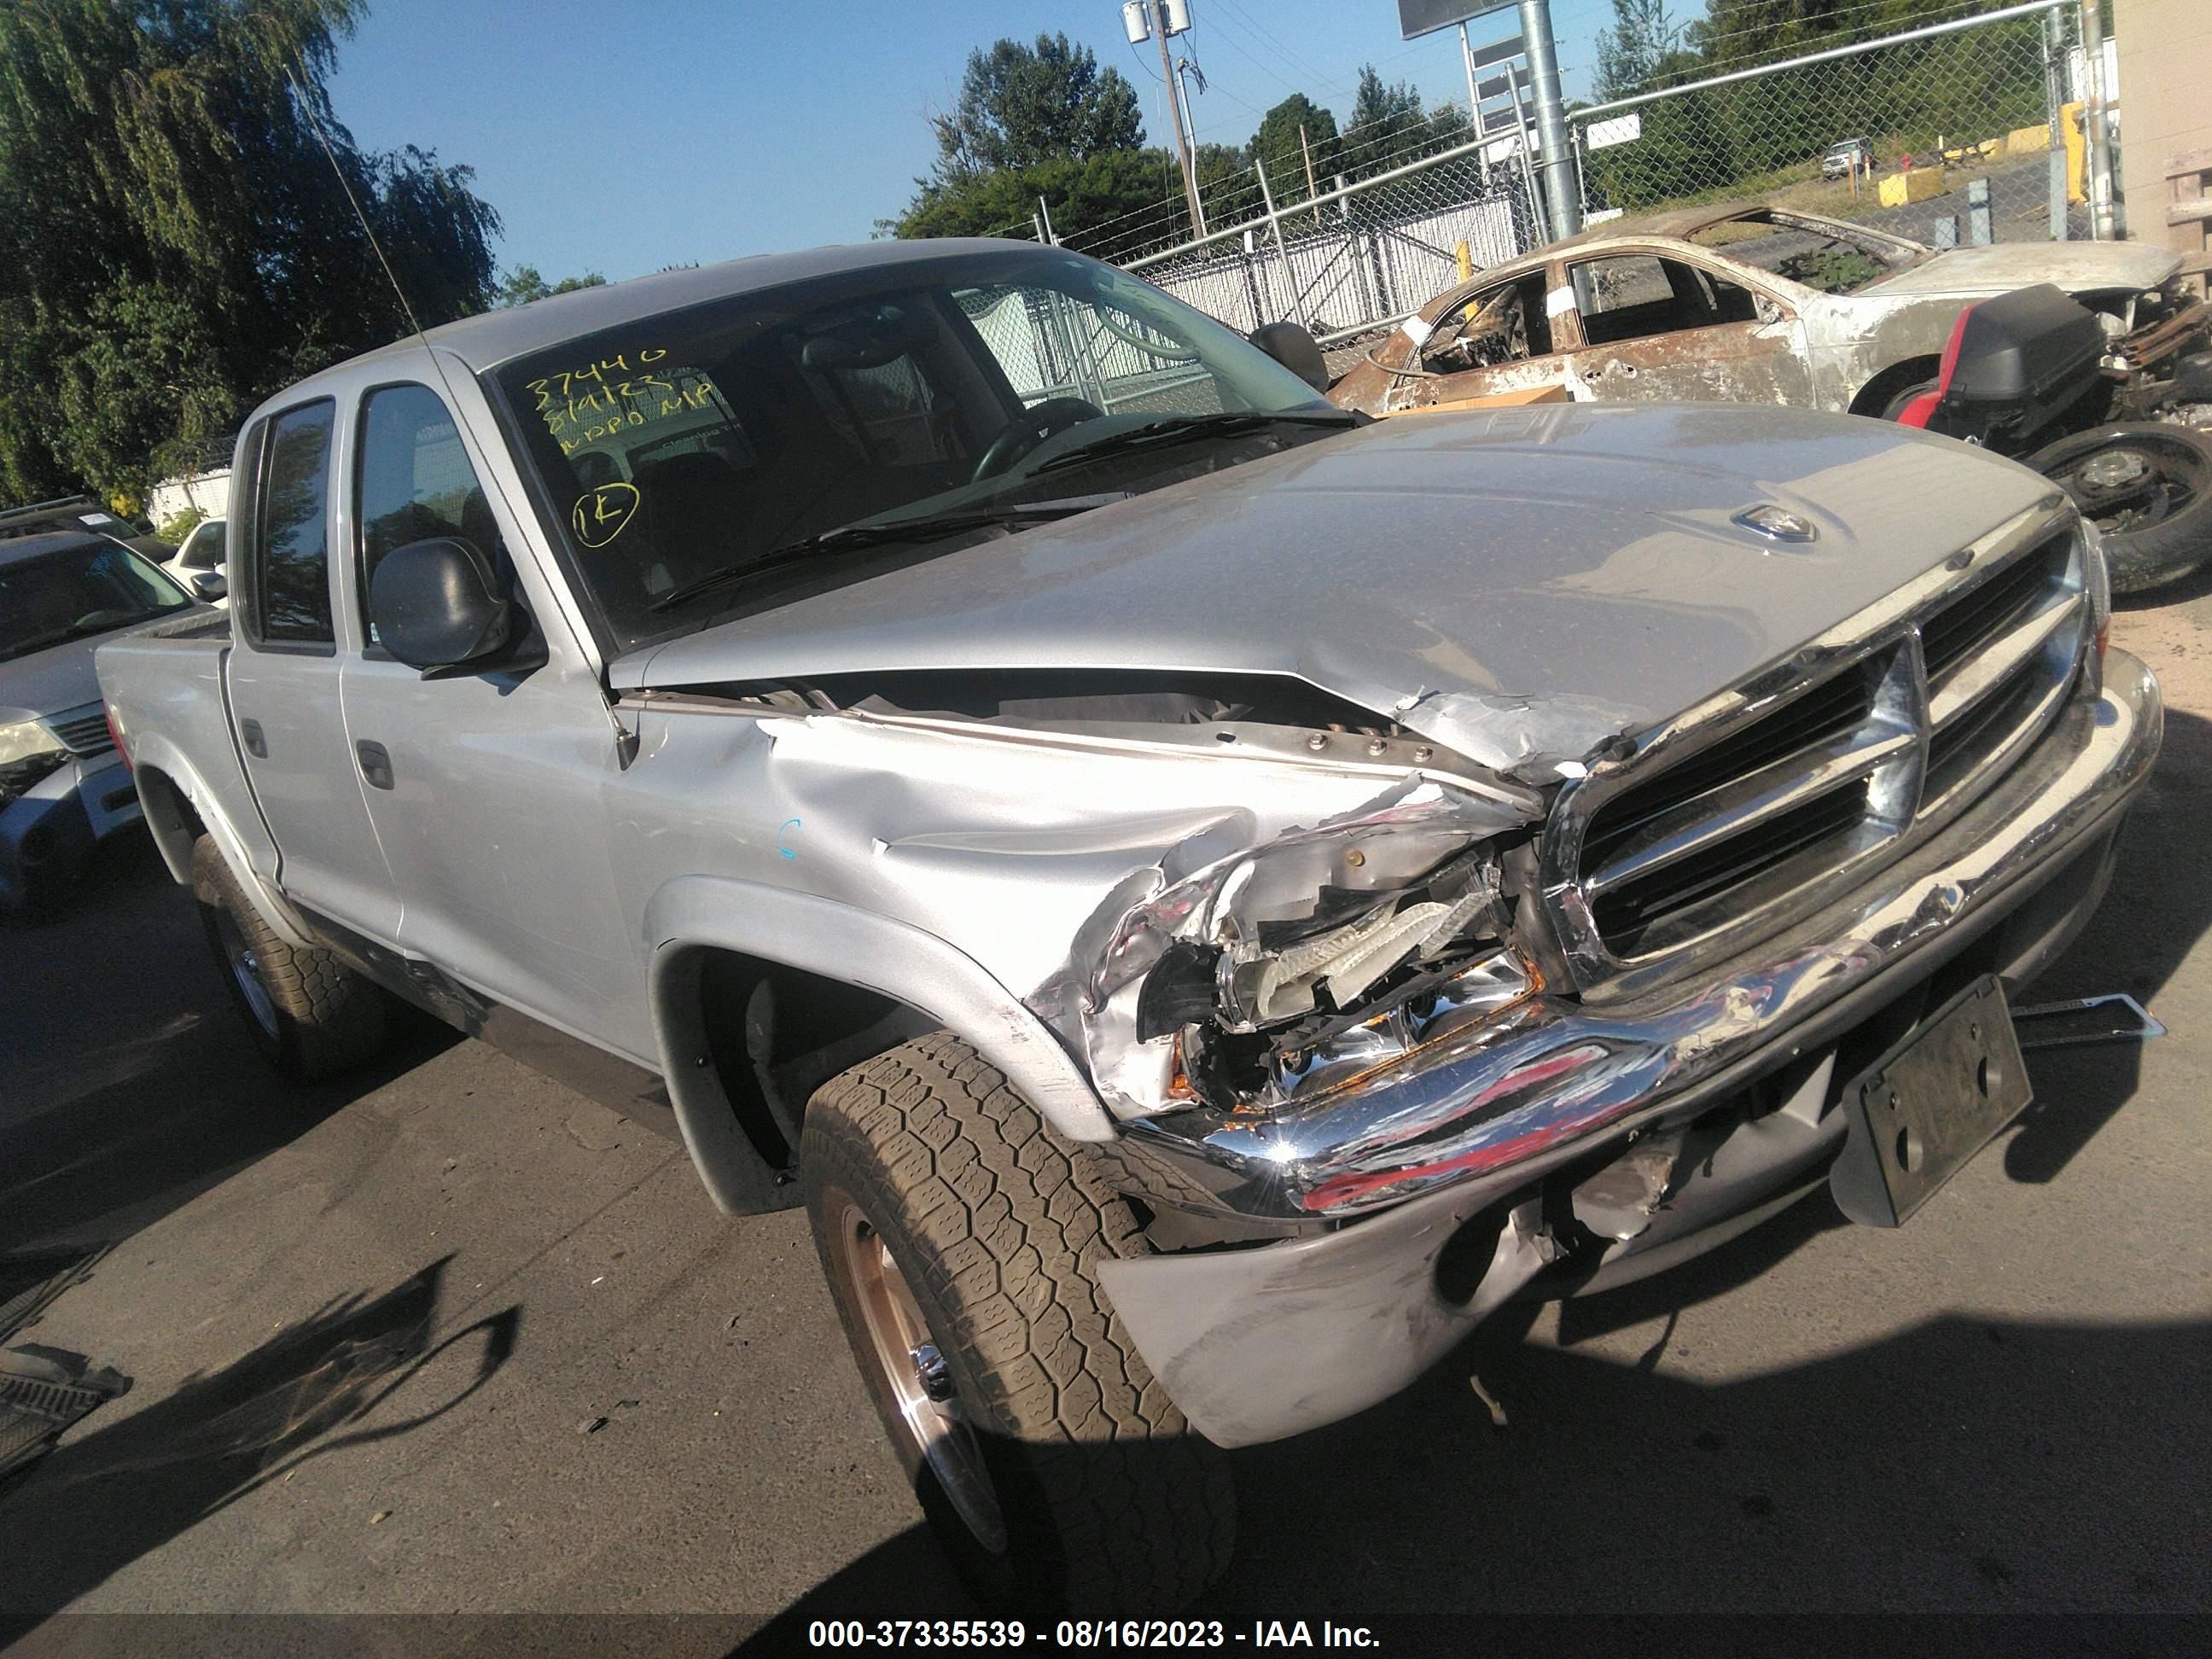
(601, 515)
(582, 406)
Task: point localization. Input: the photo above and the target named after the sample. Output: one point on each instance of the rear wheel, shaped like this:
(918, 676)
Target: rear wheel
(2147, 486)
(961, 1242)
(310, 1015)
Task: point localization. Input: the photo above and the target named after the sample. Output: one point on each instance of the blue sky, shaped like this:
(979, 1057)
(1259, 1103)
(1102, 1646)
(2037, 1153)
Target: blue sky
(622, 137)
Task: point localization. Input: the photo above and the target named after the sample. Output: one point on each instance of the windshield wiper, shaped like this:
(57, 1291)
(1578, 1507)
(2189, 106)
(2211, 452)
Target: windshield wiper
(880, 533)
(1180, 429)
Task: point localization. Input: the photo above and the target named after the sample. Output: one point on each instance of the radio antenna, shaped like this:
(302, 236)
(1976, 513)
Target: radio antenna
(625, 741)
(307, 106)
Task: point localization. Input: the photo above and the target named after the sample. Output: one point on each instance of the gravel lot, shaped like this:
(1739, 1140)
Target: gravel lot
(373, 1328)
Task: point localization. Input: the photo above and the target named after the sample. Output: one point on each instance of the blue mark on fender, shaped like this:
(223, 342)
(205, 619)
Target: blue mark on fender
(783, 830)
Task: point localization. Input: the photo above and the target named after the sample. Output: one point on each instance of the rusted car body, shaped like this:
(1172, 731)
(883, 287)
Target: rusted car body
(1746, 304)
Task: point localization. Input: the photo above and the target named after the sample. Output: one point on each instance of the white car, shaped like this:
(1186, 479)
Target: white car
(198, 564)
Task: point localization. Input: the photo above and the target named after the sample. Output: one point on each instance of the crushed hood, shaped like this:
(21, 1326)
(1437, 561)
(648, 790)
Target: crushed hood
(1513, 584)
(2077, 267)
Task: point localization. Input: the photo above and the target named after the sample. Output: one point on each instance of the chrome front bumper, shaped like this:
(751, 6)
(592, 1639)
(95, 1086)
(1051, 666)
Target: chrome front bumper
(1552, 1074)
(1256, 1344)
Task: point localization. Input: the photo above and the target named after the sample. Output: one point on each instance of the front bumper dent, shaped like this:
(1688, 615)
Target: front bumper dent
(1256, 1344)
(1552, 1073)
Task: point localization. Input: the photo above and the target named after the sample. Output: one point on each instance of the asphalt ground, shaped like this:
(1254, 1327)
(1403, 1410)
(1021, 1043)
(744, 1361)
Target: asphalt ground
(444, 1338)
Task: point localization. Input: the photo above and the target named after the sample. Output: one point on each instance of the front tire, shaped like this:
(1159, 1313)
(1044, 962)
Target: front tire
(961, 1242)
(311, 1015)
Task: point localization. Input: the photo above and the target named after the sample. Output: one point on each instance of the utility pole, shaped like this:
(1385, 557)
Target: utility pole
(2096, 131)
(1183, 69)
(1560, 196)
(1160, 18)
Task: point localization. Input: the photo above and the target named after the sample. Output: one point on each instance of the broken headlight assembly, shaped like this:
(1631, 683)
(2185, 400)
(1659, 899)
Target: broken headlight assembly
(28, 753)
(1275, 973)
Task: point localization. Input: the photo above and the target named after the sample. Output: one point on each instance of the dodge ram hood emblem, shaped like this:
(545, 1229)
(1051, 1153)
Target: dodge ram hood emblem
(1776, 524)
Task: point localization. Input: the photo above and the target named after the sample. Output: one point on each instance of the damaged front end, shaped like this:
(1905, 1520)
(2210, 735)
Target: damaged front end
(1271, 975)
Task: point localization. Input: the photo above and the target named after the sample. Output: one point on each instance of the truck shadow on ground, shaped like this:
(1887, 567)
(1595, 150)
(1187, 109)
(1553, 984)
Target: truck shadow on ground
(130, 1085)
(1965, 1466)
(108, 1497)
(2159, 905)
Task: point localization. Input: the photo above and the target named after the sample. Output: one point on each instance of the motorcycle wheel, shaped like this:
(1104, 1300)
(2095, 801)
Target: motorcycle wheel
(2147, 486)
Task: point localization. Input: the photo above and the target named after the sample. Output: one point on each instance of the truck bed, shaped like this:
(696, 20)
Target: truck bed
(167, 696)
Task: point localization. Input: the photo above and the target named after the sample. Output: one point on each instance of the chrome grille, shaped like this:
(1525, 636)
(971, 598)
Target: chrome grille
(82, 730)
(1768, 800)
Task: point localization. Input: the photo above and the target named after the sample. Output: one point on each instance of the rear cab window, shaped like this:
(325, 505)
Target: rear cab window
(288, 575)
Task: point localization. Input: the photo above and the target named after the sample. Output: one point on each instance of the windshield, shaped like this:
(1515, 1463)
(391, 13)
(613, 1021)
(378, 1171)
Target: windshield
(684, 444)
(94, 589)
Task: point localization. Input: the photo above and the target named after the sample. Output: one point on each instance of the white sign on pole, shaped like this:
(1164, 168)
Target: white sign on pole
(1614, 129)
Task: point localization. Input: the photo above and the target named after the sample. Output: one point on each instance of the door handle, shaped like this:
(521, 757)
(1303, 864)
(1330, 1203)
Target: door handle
(375, 764)
(249, 733)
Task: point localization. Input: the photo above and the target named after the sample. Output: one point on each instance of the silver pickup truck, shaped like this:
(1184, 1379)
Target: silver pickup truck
(1204, 896)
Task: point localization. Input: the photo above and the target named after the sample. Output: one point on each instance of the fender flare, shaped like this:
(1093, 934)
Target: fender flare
(155, 756)
(690, 915)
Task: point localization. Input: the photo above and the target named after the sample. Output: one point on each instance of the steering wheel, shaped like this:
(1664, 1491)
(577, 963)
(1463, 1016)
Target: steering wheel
(1030, 428)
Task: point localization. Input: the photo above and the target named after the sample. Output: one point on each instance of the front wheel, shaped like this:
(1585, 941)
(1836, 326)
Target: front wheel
(961, 1243)
(2147, 486)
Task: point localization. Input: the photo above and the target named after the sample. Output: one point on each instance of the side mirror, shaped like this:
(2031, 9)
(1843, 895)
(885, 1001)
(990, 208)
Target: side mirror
(1295, 349)
(437, 603)
(208, 586)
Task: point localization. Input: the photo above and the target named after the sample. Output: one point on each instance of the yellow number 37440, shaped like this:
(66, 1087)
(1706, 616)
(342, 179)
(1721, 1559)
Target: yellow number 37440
(598, 517)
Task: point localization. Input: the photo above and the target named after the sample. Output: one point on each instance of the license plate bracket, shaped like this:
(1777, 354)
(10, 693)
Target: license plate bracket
(1922, 1111)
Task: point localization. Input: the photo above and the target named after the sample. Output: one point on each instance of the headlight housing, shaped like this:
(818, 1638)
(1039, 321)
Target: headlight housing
(1267, 976)
(28, 753)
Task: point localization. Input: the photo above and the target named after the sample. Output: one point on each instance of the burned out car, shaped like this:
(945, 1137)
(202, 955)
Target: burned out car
(1752, 305)
(1202, 895)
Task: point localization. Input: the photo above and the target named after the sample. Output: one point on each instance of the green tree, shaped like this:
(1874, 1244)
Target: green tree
(1278, 143)
(181, 244)
(1042, 121)
(1390, 126)
(1084, 194)
(1020, 106)
(1630, 53)
(520, 286)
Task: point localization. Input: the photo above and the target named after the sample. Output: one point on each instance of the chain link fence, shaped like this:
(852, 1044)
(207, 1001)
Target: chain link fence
(1356, 231)
(1888, 133)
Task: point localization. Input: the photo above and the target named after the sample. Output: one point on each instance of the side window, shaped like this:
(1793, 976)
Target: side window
(291, 543)
(1507, 323)
(1634, 295)
(414, 481)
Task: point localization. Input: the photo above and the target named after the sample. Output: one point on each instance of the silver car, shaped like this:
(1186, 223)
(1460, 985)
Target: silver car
(63, 787)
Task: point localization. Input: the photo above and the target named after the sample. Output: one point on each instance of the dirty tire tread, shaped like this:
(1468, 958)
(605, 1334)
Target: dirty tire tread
(329, 1018)
(998, 1229)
